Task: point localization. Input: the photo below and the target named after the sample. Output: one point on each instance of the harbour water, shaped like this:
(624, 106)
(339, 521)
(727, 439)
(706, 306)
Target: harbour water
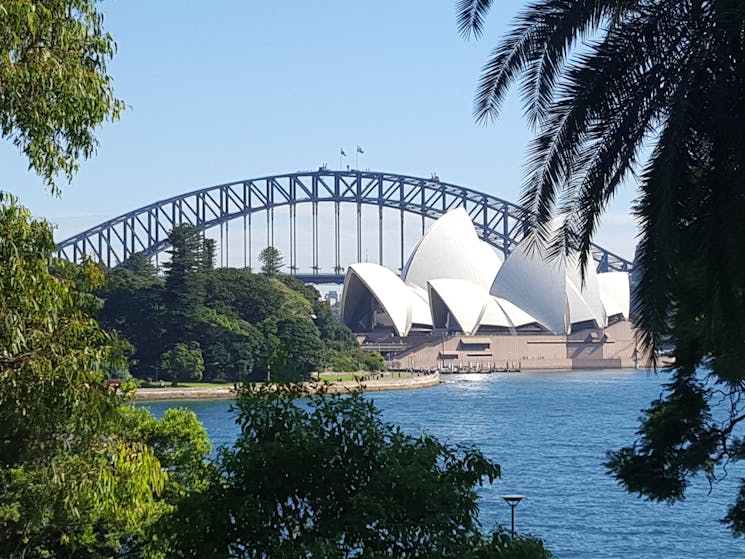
(550, 431)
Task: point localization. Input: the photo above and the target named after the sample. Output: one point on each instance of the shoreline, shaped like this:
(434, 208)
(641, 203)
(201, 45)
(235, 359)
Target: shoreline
(338, 387)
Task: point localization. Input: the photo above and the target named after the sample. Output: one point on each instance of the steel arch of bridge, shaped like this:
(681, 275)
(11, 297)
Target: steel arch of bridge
(498, 222)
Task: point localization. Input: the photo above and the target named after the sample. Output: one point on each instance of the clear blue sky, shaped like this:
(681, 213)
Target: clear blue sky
(225, 90)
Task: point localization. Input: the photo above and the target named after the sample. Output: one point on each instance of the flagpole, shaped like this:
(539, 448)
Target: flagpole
(341, 154)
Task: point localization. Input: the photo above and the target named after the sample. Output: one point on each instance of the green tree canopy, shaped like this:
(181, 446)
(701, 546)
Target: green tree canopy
(185, 281)
(182, 362)
(245, 323)
(134, 306)
(329, 478)
(140, 266)
(54, 89)
(72, 483)
(301, 348)
(271, 261)
(669, 75)
(252, 296)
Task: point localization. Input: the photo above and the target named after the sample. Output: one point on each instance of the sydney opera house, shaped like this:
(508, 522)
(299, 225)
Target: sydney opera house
(457, 306)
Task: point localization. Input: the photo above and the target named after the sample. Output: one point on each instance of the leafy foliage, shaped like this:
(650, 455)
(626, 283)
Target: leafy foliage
(73, 482)
(355, 359)
(46, 334)
(328, 478)
(670, 75)
(185, 281)
(179, 441)
(134, 306)
(246, 324)
(182, 362)
(501, 545)
(54, 89)
(271, 261)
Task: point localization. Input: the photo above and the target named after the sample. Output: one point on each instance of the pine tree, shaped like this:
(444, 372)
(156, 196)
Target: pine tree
(271, 261)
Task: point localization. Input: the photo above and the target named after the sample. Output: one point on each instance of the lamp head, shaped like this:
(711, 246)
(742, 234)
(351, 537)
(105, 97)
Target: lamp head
(513, 500)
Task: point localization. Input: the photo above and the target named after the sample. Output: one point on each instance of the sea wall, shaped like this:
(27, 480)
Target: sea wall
(342, 387)
(386, 383)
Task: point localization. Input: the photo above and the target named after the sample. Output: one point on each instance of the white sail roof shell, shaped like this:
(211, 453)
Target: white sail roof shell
(452, 249)
(494, 314)
(588, 290)
(536, 286)
(452, 271)
(579, 309)
(515, 314)
(553, 291)
(393, 295)
(464, 300)
(470, 305)
(615, 293)
(420, 312)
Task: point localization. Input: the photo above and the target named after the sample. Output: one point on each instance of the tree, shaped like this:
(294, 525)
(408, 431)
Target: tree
(251, 296)
(71, 482)
(182, 362)
(669, 74)
(272, 351)
(335, 334)
(330, 478)
(133, 305)
(210, 252)
(301, 348)
(139, 264)
(185, 281)
(189, 254)
(179, 441)
(54, 89)
(271, 261)
(231, 346)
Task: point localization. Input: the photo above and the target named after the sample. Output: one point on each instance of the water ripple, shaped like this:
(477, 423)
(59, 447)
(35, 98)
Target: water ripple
(550, 432)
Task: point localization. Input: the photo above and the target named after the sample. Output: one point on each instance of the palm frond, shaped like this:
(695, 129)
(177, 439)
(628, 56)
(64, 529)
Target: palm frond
(610, 99)
(538, 45)
(470, 14)
(637, 101)
(665, 174)
(565, 24)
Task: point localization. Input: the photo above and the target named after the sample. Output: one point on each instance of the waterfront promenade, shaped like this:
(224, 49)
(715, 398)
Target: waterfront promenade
(337, 387)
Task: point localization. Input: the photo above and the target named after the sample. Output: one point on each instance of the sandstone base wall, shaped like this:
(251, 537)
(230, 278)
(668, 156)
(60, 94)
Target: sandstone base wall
(613, 347)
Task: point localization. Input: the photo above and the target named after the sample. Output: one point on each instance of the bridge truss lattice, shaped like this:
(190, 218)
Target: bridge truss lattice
(498, 222)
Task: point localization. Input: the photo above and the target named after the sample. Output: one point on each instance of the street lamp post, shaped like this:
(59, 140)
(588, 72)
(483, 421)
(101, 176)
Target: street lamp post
(513, 500)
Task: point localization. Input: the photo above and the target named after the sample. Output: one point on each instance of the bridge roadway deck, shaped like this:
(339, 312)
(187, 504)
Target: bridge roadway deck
(318, 279)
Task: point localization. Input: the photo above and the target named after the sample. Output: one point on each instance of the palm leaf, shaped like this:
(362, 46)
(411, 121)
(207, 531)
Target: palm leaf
(665, 174)
(538, 44)
(470, 14)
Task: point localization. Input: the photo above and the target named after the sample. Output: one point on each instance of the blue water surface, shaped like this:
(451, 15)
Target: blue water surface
(550, 431)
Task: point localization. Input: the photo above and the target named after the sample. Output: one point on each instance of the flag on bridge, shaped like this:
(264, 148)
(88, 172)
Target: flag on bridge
(359, 150)
(341, 152)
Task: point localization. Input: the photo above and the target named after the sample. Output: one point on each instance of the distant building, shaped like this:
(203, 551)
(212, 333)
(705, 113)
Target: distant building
(332, 297)
(456, 285)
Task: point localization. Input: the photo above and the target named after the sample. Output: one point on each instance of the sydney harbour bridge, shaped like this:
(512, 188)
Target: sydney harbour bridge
(243, 203)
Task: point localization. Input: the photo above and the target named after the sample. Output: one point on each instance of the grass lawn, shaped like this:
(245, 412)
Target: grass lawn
(224, 384)
(167, 384)
(331, 376)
